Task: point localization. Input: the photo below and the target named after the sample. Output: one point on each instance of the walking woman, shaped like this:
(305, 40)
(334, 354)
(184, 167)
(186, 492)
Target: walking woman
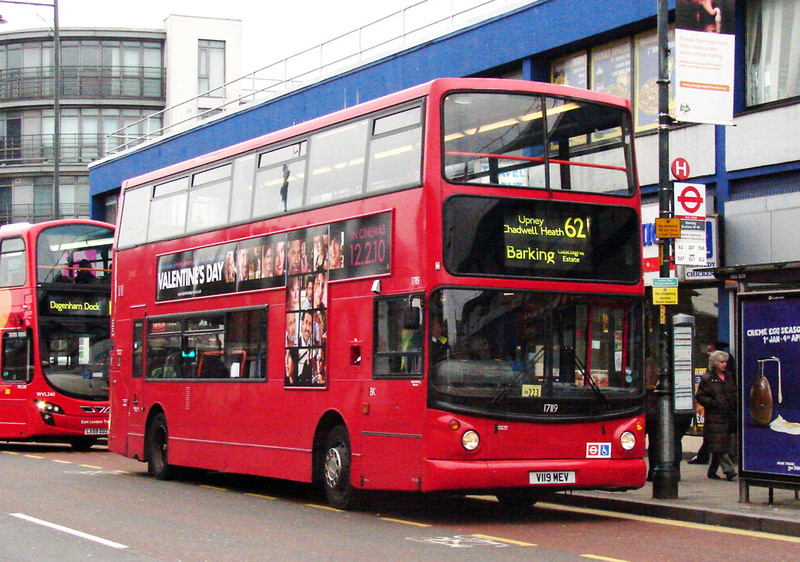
(717, 394)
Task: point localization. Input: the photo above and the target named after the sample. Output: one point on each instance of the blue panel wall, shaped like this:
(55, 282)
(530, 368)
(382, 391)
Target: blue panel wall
(526, 33)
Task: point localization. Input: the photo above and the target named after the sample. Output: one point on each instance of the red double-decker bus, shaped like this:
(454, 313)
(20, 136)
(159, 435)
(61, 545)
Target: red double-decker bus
(436, 290)
(55, 293)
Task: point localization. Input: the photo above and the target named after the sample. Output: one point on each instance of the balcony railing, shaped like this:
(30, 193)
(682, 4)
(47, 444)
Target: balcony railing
(400, 30)
(88, 82)
(37, 213)
(37, 150)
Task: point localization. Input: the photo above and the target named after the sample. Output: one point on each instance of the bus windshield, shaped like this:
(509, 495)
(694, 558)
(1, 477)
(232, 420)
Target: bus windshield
(78, 253)
(73, 263)
(75, 356)
(509, 352)
(535, 141)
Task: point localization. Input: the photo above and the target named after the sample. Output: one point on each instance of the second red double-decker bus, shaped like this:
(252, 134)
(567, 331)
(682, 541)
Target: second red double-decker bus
(55, 293)
(437, 290)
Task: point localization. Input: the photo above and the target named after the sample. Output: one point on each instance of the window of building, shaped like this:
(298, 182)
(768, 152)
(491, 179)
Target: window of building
(773, 52)
(211, 68)
(626, 68)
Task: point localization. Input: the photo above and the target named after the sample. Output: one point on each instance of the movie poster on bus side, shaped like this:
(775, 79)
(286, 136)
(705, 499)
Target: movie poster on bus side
(261, 262)
(196, 273)
(256, 263)
(307, 262)
(361, 247)
(770, 384)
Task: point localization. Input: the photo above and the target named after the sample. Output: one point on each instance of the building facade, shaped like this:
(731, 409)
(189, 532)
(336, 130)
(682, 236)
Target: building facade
(109, 79)
(751, 170)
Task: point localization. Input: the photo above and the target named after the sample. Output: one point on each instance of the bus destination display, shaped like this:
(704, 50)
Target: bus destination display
(555, 240)
(541, 239)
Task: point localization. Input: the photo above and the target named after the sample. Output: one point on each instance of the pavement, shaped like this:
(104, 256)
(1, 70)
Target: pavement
(701, 500)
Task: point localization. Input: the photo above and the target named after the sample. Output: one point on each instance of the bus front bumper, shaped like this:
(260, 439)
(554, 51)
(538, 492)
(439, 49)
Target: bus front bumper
(547, 475)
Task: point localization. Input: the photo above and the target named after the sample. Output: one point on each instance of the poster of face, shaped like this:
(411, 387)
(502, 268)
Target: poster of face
(770, 384)
(306, 307)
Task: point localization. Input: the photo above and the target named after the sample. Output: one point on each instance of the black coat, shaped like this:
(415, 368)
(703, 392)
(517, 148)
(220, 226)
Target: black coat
(719, 398)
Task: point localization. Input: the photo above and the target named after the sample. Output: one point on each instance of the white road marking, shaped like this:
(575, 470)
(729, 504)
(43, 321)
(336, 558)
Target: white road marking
(67, 530)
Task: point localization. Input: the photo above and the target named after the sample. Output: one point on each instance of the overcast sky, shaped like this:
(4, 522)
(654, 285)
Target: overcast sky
(271, 29)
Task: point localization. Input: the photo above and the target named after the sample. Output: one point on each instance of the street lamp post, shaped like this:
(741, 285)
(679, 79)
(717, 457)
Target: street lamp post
(665, 475)
(56, 97)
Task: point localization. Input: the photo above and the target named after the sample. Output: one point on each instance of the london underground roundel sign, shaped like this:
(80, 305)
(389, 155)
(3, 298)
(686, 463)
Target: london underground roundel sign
(690, 201)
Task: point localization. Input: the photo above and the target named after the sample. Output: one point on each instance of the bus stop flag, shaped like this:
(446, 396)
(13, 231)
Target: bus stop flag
(704, 61)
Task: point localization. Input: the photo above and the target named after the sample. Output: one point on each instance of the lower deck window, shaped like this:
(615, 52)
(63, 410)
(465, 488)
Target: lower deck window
(215, 345)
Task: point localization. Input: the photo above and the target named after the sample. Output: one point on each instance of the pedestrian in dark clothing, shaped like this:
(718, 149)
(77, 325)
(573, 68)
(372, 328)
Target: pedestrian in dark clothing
(718, 395)
(703, 456)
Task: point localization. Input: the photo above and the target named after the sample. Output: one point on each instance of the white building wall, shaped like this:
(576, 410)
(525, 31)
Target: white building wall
(762, 230)
(180, 57)
(694, 143)
(764, 138)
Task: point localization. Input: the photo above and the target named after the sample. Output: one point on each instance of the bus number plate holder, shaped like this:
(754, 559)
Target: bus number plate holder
(552, 477)
(95, 431)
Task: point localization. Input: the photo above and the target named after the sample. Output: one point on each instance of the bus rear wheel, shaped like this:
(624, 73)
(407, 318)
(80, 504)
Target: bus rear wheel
(336, 469)
(157, 453)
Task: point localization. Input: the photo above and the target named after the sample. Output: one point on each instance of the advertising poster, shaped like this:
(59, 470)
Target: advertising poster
(646, 84)
(704, 61)
(611, 69)
(303, 261)
(571, 71)
(770, 383)
(306, 307)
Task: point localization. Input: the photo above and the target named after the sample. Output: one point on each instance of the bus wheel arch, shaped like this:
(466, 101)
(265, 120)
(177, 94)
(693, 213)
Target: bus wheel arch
(156, 452)
(333, 462)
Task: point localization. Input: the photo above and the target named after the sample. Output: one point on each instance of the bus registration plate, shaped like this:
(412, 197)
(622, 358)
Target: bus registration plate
(95, 431)
(552, 477)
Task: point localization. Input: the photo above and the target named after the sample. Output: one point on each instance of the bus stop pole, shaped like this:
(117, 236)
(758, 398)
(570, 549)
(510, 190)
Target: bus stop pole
(665, 475)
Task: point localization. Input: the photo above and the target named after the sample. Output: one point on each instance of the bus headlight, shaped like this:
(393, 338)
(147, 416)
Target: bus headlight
(47, 409)
(627, 440)
(470, 440)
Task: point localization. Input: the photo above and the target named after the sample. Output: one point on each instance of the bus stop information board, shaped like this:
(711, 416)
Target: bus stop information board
(770, 385)
(665, 291)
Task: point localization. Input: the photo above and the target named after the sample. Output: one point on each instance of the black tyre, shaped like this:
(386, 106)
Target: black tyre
(82, 444)
(157, 454)
(336, 469)
(517, 499)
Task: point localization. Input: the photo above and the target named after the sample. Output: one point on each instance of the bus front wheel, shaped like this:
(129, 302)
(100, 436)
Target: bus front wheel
(336, 469)
(517, 499)
(82, 444)
(157, 457)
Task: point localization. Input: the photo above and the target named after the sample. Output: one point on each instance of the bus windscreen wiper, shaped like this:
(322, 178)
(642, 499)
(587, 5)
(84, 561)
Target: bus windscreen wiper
(506, 388)
(587, 378)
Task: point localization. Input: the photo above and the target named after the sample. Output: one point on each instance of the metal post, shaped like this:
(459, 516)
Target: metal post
(665, 476)
(56, 96)
(56, 112)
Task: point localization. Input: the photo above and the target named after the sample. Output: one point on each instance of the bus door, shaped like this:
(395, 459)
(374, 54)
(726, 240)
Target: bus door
(16, 371)
(394, 400)
(127, 406)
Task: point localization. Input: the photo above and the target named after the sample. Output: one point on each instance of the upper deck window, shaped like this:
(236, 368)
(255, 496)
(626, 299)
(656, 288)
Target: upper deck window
(12, 262)
(375, 153)
(79, 253)
(537, 142)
